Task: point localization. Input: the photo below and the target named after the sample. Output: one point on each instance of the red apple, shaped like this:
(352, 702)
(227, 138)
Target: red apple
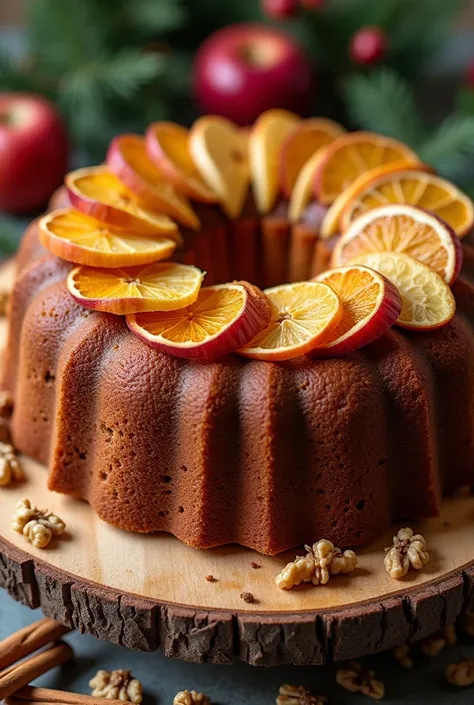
(33, 151)
(245, 69)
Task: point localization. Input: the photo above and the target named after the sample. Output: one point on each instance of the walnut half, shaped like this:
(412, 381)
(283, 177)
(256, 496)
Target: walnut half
(407, 551)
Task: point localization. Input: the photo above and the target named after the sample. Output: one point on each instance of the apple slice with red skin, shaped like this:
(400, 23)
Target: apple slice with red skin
(197, 331)
(167, 145)
(128, 160)
(371, 306)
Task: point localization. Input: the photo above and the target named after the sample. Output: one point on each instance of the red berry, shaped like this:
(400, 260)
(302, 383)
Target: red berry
(368, 46)
(312, 4)
(470, 74)
(280, 9)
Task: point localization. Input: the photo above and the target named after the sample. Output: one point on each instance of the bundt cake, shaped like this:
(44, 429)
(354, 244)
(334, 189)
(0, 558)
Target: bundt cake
(266, 455)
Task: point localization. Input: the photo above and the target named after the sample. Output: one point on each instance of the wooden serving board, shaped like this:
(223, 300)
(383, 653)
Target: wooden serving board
(150, 591)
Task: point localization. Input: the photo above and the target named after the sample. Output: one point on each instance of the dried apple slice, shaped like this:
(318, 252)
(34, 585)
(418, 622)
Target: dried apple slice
(402, 228)
(97, 192)
(163, 286)
(265, 141)
(167, 145)
(128, 160)
(306, 138)
(222, 319)
(427, 301)
(371, 305)
(302, 192)
(76, 237)
(220, 153)
(303, 316)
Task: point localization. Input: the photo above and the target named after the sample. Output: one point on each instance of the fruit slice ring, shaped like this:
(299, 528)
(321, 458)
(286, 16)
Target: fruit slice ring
(306, 138)
(164, 286)
(222, 319)
(97, 192)
(128, 160)
(371, 305)
(303, 316)
(331, 224)
(78, 238)
(220, 152)
(351, 155)
(265, 141)
(399, 228)
(167, 145)
(427, 301)
(426, 191)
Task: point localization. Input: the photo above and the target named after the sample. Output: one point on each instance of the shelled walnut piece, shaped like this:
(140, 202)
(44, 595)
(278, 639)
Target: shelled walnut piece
(116, 685)
(357, 679)
(298, 695)
(403, 654)
(37, 526)
(408, 551)
(10, 468)
(461, 673)
(433, 645)
(191, 697)
(321, 561)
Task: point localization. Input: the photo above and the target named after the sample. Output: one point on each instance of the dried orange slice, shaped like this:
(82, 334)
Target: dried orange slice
(351, 155)
(371, 305)
(163, 286)
(427, 191)
(78, 238)
(265, 141)
(303, 189)
(128, 160)
(400, 228)
(220, 153)
(303, 316)
(306, 138)
(222, 319)
(167, 145)
(97, 192)
(331, 223)
(427, 301)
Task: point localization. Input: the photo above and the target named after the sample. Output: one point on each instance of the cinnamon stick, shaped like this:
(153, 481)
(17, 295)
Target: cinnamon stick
(30, 639)
(19, 675)
(48, 696)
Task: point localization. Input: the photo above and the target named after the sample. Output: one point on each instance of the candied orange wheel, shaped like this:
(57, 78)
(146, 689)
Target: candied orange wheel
(78, 238)
(163, 286)
(97, 192)
(222, 319)
(167, 145)
(331, 224)
(427, 191)
(128, 160)
(303, 316)
(306, 138)
(371, 305)
(351, 155)
(427, 301)
(400, 228)
(220, 151)
(302, 192)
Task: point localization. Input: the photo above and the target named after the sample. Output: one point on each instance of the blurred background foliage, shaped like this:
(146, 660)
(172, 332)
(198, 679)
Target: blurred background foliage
(116, 65)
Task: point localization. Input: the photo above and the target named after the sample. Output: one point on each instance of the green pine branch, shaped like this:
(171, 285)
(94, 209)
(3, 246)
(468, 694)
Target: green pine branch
(450, 147)
(383, 102)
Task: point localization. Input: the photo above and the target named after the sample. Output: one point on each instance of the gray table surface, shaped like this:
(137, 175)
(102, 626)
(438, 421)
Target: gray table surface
(239, 684)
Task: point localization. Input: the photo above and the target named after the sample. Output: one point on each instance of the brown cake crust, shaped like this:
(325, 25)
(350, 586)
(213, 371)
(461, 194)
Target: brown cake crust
(237, 451)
